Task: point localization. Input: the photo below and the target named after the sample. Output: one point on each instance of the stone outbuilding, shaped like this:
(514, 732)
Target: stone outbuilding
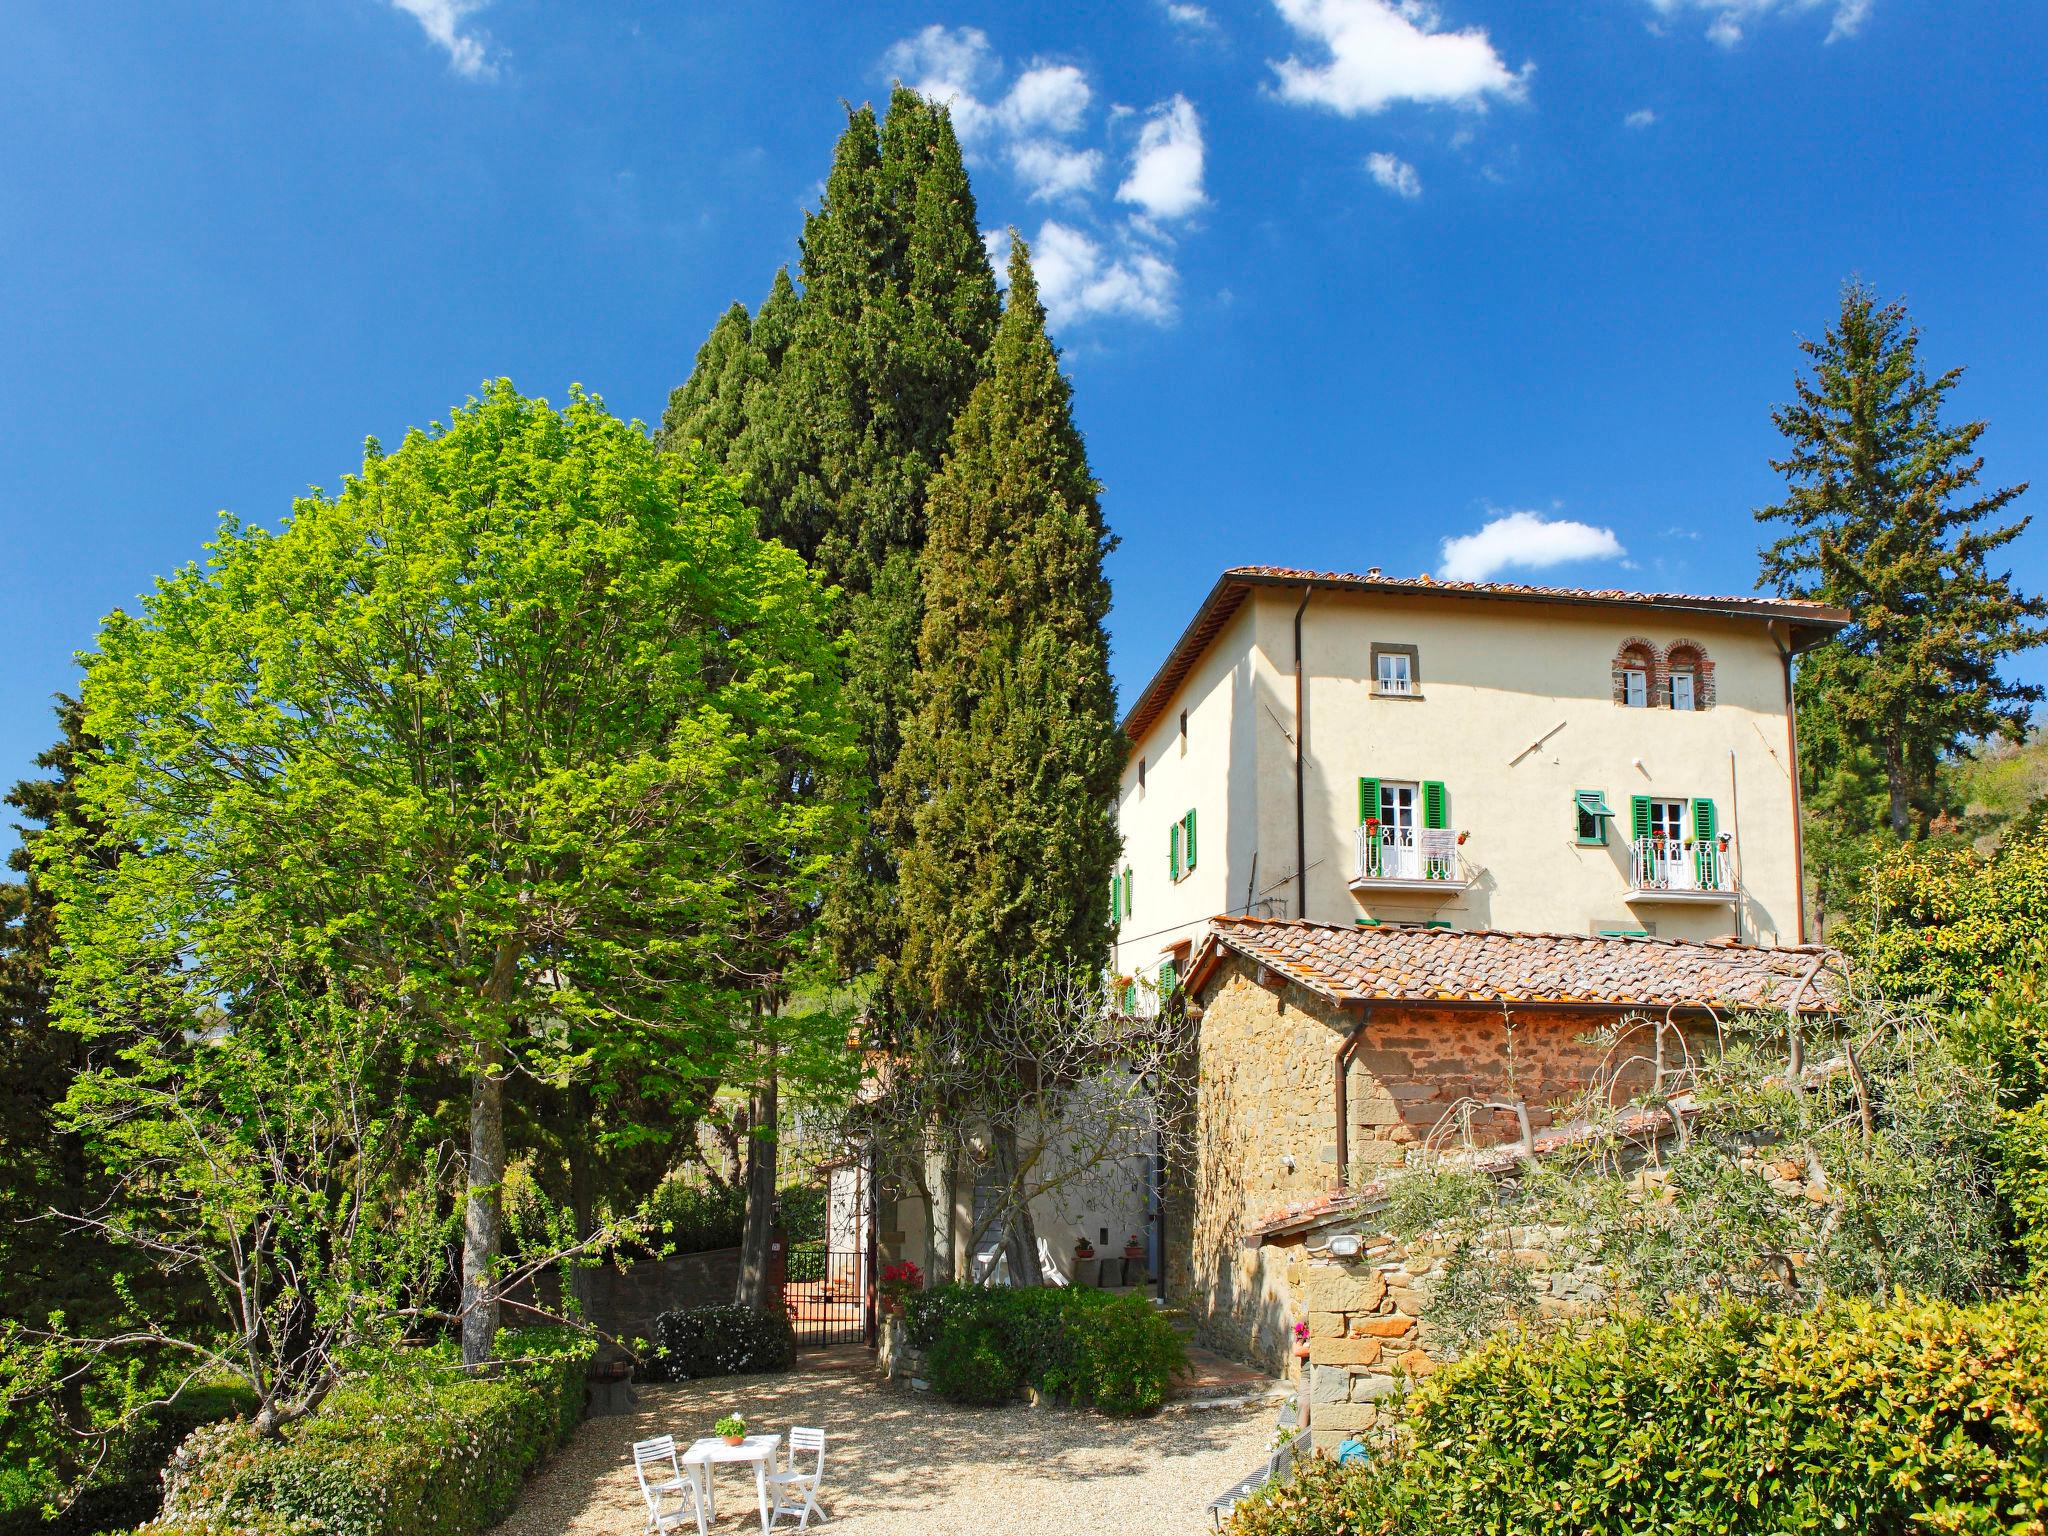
(1326, 1057)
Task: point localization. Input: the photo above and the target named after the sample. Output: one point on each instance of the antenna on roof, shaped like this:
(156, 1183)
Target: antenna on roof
(1372, 573)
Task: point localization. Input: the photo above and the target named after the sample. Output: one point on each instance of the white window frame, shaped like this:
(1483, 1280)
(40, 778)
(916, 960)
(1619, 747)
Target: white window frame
(1394, 673)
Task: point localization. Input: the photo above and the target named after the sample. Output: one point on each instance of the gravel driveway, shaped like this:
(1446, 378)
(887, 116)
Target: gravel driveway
(907, 1464)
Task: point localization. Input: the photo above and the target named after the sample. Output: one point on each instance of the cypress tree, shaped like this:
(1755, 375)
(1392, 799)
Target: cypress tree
(710, 407)
(834, 407)
(1887, 520)
(850, 390)
(1003, 796)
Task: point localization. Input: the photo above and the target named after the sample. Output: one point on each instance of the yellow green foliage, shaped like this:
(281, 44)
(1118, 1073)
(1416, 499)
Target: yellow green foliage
(1859, 1417)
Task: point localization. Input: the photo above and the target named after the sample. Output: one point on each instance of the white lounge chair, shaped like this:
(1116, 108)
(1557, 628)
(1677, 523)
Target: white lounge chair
(661, 1477)
(796, 1492)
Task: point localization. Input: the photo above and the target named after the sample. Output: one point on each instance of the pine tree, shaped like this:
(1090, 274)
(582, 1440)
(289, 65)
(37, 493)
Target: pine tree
(1887, 521)
(42, 1167)
(1003, 797)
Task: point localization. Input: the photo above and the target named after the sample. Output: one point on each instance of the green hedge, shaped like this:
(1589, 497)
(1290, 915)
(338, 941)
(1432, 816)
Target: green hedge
(719, 1341)
(1092, 1349)
(410, 1447)
(1918, 1416)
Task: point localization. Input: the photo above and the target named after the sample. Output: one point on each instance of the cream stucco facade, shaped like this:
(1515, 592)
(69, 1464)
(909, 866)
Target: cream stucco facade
(1518, 705)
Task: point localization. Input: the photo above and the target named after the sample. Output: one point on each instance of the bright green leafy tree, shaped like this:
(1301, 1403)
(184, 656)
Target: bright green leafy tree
(492, 742)
(1003, 797)
(1885, 517)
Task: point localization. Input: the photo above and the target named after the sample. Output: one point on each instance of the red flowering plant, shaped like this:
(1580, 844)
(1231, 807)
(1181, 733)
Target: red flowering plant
(899, 1280)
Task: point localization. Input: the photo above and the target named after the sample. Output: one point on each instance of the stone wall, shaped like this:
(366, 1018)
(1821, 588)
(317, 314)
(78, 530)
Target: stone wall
(1367, 1334)
(1266, 1127)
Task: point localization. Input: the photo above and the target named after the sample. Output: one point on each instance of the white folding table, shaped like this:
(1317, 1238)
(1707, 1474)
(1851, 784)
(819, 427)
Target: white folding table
(705, 1455)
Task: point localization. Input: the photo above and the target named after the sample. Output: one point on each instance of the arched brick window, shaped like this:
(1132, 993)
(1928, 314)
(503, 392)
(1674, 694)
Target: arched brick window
(1639, 675)
(1688, 676)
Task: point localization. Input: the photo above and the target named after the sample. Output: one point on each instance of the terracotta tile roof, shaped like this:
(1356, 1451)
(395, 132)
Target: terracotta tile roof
(1809, 623)
(1484, 966)
(1767, 607)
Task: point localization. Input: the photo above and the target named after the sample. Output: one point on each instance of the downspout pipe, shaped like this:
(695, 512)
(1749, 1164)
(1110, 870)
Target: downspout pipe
(1342, 1095)
(1300, 743)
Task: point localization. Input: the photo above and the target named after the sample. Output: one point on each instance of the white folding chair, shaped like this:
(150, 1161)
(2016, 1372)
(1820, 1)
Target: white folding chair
(651, 1460)
(796, 1492)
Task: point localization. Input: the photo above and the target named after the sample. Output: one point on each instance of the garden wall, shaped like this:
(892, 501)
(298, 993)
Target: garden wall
(1366, 1332)
(625, 1302)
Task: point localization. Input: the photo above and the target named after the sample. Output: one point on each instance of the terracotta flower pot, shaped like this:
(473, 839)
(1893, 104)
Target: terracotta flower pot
(1301, 1350)
(734, 1439)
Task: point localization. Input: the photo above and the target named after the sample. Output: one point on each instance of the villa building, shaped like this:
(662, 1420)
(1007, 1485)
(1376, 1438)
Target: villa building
(1377, 751)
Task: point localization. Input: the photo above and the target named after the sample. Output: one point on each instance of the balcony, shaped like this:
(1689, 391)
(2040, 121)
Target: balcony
(1679, 871)
(1417, 862)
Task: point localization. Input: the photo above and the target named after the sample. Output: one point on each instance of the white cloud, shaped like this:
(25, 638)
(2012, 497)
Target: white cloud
(1193, 18)
(1078, 278)
(1048, 98)
(1728, 20)
(442, 20)
(949, 65)
(1090, 261)
(1050, 169)
(1524, 540)
(1166, 168)
(1381, 52)
(1394, 173)
(1642, 117)
(956, 65)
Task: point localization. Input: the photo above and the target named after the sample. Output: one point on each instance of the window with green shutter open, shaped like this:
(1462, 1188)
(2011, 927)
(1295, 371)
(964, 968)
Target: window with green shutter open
(1590, 816)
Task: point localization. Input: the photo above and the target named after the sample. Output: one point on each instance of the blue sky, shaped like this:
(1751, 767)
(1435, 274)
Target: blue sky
(1338, 280)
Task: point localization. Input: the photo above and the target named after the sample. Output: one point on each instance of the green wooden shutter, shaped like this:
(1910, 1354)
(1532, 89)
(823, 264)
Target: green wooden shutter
(1704, 850)
(1188, 841)
(1368, 800)
(1116, 898)
(1703, 820)
(1169, 978)
(1639, 815)
(1127, 890)
(1436, 805)
(1173, 850)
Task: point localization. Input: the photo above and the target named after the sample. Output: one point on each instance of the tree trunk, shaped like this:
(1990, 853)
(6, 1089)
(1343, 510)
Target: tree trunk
(945, 1263)
(1900, 813)
(1020, 1234)
(483, 1215)
(582, 1190)
(757, 1235)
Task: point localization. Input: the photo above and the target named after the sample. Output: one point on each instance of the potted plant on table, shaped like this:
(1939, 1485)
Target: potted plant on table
(1133, 1249)
(732, 1429)
(1083, 1249)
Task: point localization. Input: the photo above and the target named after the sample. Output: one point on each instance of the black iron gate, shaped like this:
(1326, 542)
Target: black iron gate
(829, 1288)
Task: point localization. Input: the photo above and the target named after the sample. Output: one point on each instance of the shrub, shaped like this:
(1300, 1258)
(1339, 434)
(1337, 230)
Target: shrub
(1919, 1415)
(719, 1341)
(409, 1447)
(687, 1217)
(1088, 1348)
(1321, 1499)
(127, 1486)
